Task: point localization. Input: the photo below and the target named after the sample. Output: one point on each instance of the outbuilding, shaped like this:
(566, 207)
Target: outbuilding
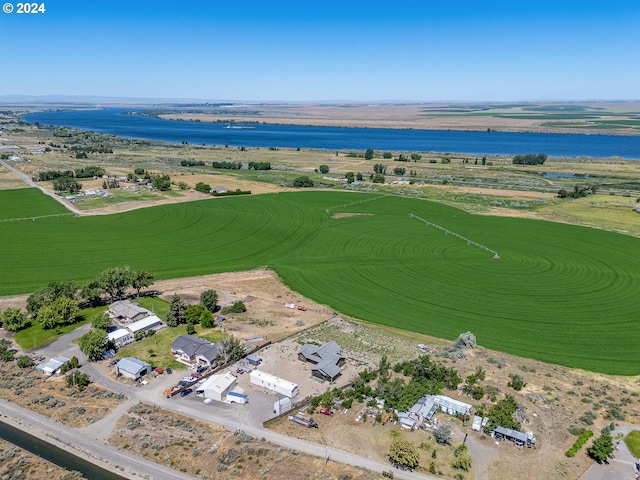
(151, 322)
(276, 384)
(120, 337)
(253, 360)
(52, 366)
(216, 387)
(132, 368)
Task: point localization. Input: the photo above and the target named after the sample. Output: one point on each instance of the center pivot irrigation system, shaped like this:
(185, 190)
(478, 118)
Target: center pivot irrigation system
(449, 232)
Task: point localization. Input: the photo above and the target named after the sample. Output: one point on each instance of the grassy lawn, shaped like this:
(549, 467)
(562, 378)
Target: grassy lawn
(36, 336)
(156, 305)
(633, 442)
(156, 349)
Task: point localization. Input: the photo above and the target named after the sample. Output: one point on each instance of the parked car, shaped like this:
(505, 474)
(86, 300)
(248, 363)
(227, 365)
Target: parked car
(201, 369)
(159, 371)
(186, 392)
(326, 411)
(183, 383)
(169, 371)
(301, 308)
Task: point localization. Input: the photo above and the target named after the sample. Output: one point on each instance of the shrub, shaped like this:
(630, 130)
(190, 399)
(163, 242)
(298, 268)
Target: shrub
(580, 441)
(516, 382)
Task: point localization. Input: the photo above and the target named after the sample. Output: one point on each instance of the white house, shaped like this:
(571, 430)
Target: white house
(216, 387)
(276, 384)
(152, 322)
(132, 368)
(120, 337)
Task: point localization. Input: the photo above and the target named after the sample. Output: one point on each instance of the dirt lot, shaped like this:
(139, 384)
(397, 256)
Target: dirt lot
(208, 451)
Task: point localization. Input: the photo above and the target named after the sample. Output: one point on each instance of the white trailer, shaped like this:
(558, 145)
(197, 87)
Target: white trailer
(276, 384)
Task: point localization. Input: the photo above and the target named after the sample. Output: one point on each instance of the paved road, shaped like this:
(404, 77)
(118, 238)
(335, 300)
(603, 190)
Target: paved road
(33, 184)
(231, 417)
(621, 467)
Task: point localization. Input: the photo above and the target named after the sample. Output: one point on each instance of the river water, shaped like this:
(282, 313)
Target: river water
(116, 121)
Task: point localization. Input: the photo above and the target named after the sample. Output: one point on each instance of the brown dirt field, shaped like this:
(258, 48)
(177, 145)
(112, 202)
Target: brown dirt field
(415, 116)
(14, 459)
(199, 448)
(519, 194)
(263, 294)
(50, 396)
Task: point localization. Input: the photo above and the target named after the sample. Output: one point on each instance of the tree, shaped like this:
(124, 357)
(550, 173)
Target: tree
(516, 382)
(25, 361)
(404, 454)
(191, 329)
(141, 279)
(49, 293)
(93, 344)
(415, 157)
(377, 178)
(206, 319)
(78, 380)
(209, 300)
(302, 182)
(161, 182)
(368, 155)
(92, 293)
(387, 155)
(6, 350)
(462, 462)
(14, 319)
(193, 312)
(380, 168)
(101, 322)
(177, 309)
(323, 169)
(602, 448)
(115, 281)
(203, 187)
(442, 434)
(237, 307)
(399, 171)
(62, 311)
(350, 177)
(501, 415)
(232, 350)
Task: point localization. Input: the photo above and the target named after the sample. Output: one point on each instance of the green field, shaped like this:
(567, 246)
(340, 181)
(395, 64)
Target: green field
(558, 293)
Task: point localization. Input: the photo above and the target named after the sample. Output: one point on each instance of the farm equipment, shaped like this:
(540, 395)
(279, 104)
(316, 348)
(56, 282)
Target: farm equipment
(326, 411)
(171, 391)
(303, 419)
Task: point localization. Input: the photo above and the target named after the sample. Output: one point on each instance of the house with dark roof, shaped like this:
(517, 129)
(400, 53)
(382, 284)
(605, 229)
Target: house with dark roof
(124, 311)
(326, 359)
(191, 350)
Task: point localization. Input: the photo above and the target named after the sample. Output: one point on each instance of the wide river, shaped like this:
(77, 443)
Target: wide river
(115, 121)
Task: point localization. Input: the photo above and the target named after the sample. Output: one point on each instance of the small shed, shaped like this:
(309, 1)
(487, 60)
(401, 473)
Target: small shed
(52, 366)
(282, 406)
(132, 368)
(253, 360)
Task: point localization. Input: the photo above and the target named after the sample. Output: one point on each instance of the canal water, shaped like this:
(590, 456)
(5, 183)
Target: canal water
(54, 454)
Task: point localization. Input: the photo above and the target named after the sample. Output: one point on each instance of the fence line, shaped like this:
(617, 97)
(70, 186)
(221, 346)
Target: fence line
(449, 232)
(35, 218)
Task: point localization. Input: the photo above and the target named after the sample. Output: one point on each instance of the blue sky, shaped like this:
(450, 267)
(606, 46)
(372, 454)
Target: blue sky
(327, 50)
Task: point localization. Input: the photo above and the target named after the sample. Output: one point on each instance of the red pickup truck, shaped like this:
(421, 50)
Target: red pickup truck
(326, 411)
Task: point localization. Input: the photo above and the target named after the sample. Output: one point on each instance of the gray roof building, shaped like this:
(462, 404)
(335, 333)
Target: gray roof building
(132, 368)
(125, 312)
(327, 359)
(190, 349)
